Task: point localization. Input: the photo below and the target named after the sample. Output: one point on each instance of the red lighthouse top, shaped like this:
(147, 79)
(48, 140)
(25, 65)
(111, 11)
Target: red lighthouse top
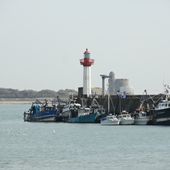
(87, 51)
(86, 61)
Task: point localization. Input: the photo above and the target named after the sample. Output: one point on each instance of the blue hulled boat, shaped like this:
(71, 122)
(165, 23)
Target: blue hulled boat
(40, 112)
(74, 112)
(92, 114)
(86, 117)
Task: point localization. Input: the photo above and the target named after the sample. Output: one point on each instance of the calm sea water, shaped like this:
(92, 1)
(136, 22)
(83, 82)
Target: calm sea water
(63, 146)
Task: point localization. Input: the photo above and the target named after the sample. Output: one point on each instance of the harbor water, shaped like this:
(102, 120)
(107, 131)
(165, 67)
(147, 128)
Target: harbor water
(64, 146)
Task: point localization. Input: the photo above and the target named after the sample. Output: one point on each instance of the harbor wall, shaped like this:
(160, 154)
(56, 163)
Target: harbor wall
(130, 103)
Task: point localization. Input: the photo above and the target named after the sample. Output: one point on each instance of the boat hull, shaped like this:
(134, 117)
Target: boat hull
(126, 121)
(109, 123)
(89, 118)
(162, 117)
(141, 121)
(51, 118)
(110, 120)
(40, 117)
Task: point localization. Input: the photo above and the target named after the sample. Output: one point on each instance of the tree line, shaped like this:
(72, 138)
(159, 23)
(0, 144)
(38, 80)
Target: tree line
(15, 93)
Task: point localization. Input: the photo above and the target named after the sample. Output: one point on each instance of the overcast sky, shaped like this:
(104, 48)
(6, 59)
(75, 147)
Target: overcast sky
(41, 42)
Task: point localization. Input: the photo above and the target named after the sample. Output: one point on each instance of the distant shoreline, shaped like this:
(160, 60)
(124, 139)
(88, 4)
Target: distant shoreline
(16, 100)
(22, 100)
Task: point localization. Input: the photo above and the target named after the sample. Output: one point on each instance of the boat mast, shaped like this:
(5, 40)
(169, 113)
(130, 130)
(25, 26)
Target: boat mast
(166, 91)
(108, 103)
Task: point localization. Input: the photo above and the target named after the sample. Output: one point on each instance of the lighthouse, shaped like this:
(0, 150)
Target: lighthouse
(87, 62)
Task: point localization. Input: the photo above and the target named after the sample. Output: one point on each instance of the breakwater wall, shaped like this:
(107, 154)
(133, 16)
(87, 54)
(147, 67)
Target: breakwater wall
(130, 103)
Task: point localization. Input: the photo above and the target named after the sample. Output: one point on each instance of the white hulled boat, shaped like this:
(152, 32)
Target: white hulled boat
(125, 118)
(141, 118)
(110, 119)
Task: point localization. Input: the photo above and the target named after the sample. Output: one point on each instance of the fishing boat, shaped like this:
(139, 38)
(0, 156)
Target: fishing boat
(141, 118)
(69, 109)
(110, 119)
(125, 118)
(86, 114)
(162, 110)
(83, 116)
(142, 114)
(41, 112)
(162, 113)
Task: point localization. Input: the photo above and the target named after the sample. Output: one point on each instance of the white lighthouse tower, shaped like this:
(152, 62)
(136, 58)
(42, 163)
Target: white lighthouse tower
(87, 62)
